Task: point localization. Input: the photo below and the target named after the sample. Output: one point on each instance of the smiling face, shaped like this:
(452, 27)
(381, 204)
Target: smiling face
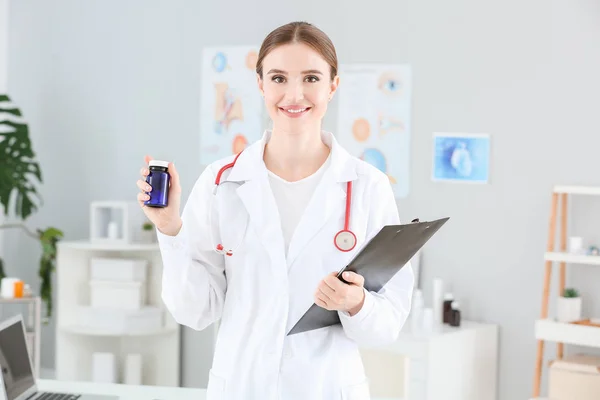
(297, 87)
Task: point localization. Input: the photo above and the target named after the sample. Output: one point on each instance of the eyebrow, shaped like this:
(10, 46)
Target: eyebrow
(310, 71)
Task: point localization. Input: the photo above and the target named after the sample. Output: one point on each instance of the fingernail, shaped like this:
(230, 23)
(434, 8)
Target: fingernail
(148, 188)
(346, 274)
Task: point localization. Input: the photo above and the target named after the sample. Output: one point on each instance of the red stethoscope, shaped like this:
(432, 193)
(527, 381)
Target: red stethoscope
(344, 240)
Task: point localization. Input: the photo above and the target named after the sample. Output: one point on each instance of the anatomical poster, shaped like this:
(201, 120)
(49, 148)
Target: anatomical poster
(231, 107)
(461, 157)
(374, 118)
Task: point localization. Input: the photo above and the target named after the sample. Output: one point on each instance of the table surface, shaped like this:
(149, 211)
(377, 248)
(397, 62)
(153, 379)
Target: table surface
(125, 392)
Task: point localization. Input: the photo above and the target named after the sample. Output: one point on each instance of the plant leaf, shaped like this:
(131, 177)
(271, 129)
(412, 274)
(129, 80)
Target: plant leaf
(18, 169)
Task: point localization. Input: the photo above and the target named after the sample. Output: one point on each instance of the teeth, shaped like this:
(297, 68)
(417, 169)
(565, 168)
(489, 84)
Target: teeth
(296, 111)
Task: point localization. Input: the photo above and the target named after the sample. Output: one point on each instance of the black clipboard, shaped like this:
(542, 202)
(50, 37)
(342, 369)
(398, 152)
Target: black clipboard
(378, 261)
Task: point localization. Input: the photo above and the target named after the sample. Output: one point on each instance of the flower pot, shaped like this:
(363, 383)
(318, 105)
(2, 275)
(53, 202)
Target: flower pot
(568, 309)
(148, 236)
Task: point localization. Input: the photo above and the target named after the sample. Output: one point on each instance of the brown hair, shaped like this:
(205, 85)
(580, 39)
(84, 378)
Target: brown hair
(299, 32)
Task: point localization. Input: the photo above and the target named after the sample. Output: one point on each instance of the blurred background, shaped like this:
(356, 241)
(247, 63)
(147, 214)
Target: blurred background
(100, 84)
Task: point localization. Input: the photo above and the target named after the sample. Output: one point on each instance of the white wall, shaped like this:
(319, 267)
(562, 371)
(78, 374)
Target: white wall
(103, 82)
(4, 12)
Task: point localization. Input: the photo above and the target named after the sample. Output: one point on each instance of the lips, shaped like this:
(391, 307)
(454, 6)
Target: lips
(294, 111)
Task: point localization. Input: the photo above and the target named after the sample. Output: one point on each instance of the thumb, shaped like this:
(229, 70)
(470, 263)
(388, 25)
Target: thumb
(352, 277)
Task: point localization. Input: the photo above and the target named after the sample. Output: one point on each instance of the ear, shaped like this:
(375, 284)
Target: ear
(259, 82)
(335, 82)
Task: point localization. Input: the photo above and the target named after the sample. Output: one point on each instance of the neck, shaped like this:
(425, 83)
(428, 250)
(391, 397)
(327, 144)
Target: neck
(294, 156)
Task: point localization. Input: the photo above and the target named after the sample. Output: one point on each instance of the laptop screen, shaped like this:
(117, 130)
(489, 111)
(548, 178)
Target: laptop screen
(14, 361)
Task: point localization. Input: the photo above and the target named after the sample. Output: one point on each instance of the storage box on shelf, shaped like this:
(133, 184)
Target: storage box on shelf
(575, 378)
(109, 301)
(584, 332)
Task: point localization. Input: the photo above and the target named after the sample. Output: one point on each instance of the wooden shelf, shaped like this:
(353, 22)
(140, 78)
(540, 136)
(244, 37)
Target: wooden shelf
(570, 333)
(572, 258)
(585, 190)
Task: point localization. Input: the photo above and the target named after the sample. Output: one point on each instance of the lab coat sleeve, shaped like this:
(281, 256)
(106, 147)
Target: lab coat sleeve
(193, 278)
(383, 313)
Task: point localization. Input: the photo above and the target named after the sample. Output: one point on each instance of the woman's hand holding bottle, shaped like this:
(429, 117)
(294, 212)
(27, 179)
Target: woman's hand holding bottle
(166, 219)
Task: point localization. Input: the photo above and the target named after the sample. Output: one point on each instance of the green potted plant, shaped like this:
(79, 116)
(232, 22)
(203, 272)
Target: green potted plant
(568, 308)
(18, 173)
(148, 234)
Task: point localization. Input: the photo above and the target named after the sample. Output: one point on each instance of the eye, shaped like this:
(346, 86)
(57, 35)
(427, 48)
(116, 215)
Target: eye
(278, 79)
(312, 79)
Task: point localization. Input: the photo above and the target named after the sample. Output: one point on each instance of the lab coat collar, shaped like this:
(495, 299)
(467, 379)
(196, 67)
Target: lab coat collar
(250, 164)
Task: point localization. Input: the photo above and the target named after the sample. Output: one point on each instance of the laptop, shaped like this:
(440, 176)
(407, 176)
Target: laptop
(17, 373)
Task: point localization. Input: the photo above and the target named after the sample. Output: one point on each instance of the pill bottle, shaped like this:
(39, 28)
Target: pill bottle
(158, 179)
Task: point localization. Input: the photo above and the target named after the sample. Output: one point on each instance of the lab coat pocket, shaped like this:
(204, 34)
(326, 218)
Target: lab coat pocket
(358, 391)
(216, 387)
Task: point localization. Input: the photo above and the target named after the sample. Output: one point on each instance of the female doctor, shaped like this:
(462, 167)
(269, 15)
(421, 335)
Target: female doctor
(264, 232)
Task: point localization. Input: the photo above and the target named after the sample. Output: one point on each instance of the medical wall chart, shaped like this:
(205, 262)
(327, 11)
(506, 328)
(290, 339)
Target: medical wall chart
(231, 107)
(374, 118)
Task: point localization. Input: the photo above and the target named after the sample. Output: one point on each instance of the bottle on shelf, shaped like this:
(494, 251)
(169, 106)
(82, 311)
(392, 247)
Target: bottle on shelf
(447, 308)
(455, 314)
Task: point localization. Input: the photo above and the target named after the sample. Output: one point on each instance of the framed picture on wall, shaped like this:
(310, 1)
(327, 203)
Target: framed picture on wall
(461, 157)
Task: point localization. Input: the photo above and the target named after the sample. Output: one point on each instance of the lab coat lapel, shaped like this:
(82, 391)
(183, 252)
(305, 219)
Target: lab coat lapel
(328, 200)
(264, 218)
(256, 196)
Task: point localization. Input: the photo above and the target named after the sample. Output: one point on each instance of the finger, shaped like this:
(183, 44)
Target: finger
(321, 301)
(147, 159)
(142, 197)
(328, 292)
(144, 172)
(142, 185)
(174, 175)
(334, 283)
(354, 278)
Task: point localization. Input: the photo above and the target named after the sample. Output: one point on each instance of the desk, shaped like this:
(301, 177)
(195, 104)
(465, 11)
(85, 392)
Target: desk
(125, 392)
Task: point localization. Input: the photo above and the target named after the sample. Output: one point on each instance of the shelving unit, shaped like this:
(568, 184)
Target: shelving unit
(33, 325)
(548, 329)
(75, 342)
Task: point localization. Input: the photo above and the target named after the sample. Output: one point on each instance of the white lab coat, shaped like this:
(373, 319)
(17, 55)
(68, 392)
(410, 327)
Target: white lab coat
(258, 294)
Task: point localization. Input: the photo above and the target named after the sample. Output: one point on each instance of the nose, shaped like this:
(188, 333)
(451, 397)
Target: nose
(295, 92)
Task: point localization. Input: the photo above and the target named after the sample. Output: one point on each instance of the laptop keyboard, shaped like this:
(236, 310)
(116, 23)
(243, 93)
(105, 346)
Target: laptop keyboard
(58, 396)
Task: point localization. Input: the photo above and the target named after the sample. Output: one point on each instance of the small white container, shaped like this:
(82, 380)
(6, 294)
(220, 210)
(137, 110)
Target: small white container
(118, 269)
(133, 369)
(576, 245)
(148, 320)
(117, 295)
(104, 368)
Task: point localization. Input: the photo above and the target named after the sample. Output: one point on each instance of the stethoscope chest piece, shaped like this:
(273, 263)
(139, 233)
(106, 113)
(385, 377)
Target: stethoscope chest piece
(345, 240)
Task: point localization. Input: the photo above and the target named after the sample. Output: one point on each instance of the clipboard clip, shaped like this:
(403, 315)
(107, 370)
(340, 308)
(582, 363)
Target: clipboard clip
(415, 221)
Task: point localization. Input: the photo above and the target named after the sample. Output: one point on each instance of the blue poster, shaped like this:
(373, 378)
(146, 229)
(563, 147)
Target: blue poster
(461, 157)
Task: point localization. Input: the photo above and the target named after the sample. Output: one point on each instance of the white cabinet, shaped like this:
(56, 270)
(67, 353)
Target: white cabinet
(77, 340)
(453, 364)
